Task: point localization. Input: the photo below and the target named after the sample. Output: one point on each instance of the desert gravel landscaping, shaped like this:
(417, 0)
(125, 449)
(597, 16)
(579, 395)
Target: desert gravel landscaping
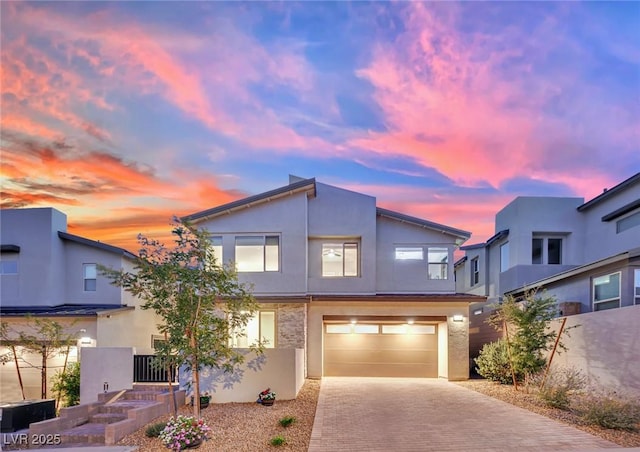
(530, 402)
(248, 426)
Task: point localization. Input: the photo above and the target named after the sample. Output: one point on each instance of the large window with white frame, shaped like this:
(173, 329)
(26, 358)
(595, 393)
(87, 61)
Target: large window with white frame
(606, 292)
(261, 328)
(409, 253)
(504, 257)
(636, 286)
(216, 248)
(258, 253)
(340, 259)
(546, 250)
(628, 222)
(438, 263)
(90, 275)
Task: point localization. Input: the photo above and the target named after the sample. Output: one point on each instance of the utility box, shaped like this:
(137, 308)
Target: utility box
(18, 415)
(567, 308)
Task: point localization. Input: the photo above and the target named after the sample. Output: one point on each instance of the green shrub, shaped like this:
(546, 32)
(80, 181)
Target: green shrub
(493, 362)
(560, 385)
(67, 385)
(278, 441)
(287, 421)
(609, 411)
(153, 430)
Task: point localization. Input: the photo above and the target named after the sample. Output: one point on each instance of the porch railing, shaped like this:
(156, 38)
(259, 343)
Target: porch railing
(145, 371)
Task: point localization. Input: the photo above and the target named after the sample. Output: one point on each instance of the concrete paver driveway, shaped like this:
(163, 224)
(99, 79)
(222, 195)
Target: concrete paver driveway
(412, 414)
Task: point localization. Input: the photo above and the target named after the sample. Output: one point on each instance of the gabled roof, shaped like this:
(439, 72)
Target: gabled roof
(422, 223)
(610, 192)
(305, 185)
(94, 244)
(63, 310)
(497, 236)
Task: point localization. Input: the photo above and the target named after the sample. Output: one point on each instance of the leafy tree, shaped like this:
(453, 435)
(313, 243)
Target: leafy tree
(66, 384)
(41, 336)
(530, 336)
(199, 301)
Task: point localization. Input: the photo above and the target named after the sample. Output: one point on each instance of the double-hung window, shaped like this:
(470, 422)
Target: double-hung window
(606, 292)
(340, 259)
(216, 248)
(261, 328)
(475, 271)
(258, 253)
(438, 263)
(504, 257)
(90, 275)
(636, 289)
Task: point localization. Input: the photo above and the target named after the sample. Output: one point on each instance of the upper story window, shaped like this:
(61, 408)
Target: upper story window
(504, 256)
(90, 275)
(216, 248)
(340, 259)
(261, 328)
(629, 222)
(546, 250)
(606, 292)
(413, 253)
(637, 285)
(475, 271)
(258, 253)
(438, 264)
(8, 267)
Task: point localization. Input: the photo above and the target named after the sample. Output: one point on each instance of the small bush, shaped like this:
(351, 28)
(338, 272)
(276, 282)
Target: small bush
(67, 385)
(559, 386)
(287, 421)
(153, 430)
(493, 362)
(609, 411)
(278, 441)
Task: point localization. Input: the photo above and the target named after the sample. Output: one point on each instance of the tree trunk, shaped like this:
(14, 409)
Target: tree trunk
(170, 381)
(196, 378)
(43, 373)
(15, 358)
(64, 370)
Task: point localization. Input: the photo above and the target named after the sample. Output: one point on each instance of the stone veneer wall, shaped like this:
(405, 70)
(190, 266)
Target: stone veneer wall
(458, 338)
(291, 322)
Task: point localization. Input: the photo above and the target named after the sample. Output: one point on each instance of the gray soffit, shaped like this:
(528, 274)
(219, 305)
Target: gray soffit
(576, 271)
(9, 248)
(610, 192)
(65, 310)
(305, 185)
(622, 210)
(94, 244)
(422, 223)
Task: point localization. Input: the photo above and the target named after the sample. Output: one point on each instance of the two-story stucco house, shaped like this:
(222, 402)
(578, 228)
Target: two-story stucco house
(47, 272)
(585, 254)
(359, 290)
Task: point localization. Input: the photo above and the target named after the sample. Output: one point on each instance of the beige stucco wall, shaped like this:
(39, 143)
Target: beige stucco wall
(100, 365)
(457, 341)
(281, 369)
(606, 347)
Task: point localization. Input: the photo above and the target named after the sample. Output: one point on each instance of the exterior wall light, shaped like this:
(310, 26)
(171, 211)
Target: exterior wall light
(85, 340)
(410, 322)
(458, 318)
(353, 321)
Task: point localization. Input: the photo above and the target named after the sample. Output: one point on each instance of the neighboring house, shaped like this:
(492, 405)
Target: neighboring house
(46, 272)
(586, 255)
(358, 290)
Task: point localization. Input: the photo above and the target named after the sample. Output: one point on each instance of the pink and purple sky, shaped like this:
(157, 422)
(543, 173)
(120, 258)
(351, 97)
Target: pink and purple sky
(122, 114)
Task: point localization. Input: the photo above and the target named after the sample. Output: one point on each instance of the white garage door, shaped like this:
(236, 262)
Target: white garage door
(380, 350)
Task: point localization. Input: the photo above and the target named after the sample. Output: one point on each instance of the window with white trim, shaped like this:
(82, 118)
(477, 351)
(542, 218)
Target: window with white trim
(8, 267)
(606, 292)
(261, 327)
(438, 263)
(216, 248)
(546, 250)
(504, 256)
(340, 259)
(405, 253)
(90, 277)
(629, 222)
(475, 271)
(258, 253)
(636, 286)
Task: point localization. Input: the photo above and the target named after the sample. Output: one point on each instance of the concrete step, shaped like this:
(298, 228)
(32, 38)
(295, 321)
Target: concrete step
(84, 434)
(140, 395)
(124, 406)
(107, 418)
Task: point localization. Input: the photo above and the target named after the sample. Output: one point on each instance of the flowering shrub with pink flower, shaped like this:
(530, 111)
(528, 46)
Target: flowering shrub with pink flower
(183, 432)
